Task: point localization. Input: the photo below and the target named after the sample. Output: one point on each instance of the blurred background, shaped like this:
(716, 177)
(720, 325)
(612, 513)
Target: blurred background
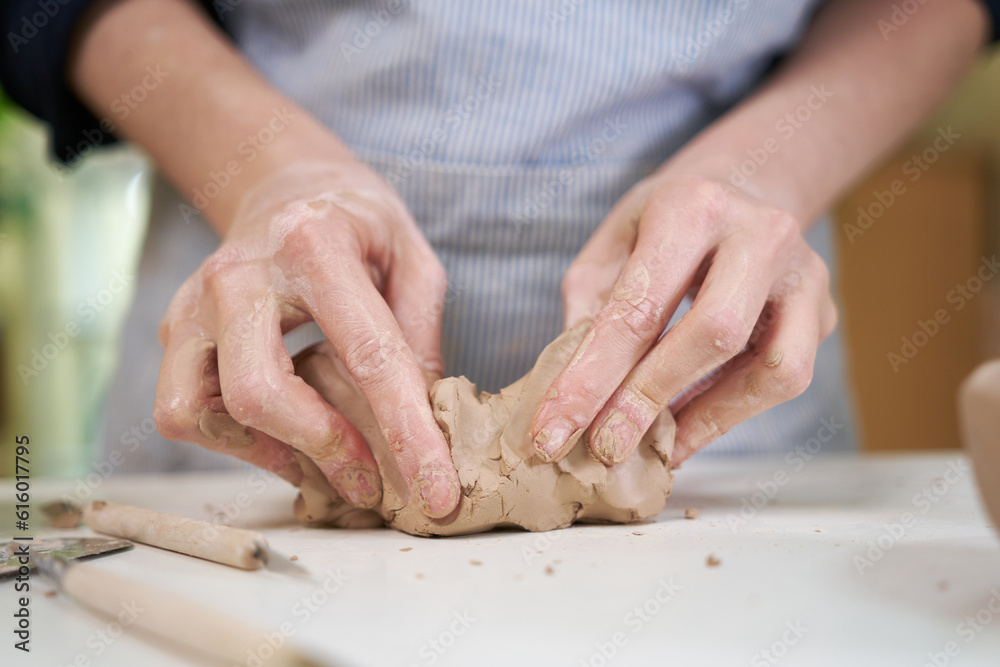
(919, 305)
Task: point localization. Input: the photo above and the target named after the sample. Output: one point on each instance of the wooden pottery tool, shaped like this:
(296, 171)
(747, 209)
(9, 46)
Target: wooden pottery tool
(245, 549)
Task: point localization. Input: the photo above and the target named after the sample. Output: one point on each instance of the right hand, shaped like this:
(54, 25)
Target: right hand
(328, 242)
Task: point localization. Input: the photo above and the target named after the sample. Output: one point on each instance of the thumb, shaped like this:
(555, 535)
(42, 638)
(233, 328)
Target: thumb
(592, 276)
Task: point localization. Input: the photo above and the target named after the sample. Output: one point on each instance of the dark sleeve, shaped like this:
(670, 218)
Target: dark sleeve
(993, 9)
(36, 36)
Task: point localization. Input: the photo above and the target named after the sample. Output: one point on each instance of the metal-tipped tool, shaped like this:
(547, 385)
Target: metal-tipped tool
(16, 554)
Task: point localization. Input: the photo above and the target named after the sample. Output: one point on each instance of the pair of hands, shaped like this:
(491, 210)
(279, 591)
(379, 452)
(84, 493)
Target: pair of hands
(333, 243)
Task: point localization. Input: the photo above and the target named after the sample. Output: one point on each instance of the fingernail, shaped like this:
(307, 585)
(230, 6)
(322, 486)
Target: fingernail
(436, 491)
(554, 438)
(358, 485)
(613, 441)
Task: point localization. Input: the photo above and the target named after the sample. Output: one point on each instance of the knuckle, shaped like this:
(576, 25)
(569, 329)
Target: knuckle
(245, 397)
(639, 319)
(784, 227)
(174, 418)
(376, 361)
(726, 332)
(791, 377)
(649, 395)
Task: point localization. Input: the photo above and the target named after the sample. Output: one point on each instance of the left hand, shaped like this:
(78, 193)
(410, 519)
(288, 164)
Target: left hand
(761, 309)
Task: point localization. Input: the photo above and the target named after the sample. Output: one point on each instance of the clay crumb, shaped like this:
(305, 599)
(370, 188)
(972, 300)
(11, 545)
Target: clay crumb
(293, 557)
(407, 549)
(640, 534)
(49, 594)
(712, 561)
(691, 513)
(419, 575)
(549, 571)
(773, 357)
(475, 562)
(818, 530)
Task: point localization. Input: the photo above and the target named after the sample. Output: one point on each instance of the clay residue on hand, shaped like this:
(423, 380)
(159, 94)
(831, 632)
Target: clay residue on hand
(219, 425)
(503, 482)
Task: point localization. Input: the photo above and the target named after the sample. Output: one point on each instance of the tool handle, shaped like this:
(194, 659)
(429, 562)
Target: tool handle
(222, 544)
(174, 618)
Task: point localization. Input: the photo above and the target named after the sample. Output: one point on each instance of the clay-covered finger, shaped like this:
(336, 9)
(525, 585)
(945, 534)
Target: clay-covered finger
(363, 332)
(715, 330)
(260, 388)
(189, 407)
(778, 370)
(644, 297)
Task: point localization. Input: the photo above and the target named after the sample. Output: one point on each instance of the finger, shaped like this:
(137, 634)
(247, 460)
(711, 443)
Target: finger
(366, 337)
(260, 388)
(415, 292)
(189, 407)
(718, 326)
(591, 277)
(644, 297)
(777, 370)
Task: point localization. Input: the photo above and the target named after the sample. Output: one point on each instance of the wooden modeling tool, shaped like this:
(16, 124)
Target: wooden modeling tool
(245, 549)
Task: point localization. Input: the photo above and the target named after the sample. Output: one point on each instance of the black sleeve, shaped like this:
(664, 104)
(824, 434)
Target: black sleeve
(36, 36)
(32, 67)
(993, 9)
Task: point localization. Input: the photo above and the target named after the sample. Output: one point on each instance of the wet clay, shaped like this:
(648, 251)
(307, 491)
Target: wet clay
(504, 483)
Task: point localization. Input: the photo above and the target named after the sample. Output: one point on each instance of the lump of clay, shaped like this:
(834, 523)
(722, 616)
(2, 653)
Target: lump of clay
(503, 483)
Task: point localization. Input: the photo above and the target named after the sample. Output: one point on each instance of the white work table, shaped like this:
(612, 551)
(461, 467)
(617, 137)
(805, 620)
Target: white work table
(788, 578)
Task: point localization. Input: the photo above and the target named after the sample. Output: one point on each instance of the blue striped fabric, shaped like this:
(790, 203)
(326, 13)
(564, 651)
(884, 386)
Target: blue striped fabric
(510, 129)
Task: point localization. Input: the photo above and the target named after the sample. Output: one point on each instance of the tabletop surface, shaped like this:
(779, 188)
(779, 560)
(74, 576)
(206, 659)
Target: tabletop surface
(881, 560)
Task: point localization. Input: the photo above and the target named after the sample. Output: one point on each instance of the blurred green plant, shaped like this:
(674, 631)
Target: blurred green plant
(62, 234)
